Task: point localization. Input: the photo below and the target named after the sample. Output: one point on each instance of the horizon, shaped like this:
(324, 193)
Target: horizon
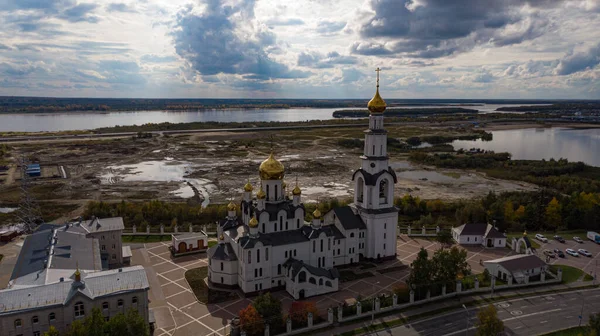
(242, 49)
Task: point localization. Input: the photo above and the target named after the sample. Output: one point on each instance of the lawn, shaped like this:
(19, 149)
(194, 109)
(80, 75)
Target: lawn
(570, 274)
(575, 331)
(145, 238)
(195, 277)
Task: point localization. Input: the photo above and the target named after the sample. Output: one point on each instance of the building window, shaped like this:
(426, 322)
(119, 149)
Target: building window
(79, 309)
(134, 300)
(384, 235)
(280, 223)
(302, 277)
(338, 252)
(256, 272)
(222, 280)
(384, 246)
(18, 323)
(115, 246)
(286, 254)
(286, 225)
(352, 235)
(320, 282)
(51, 317)
(312, 281)
(279, 269)
(114, 256)
(249, 257)
(222, 266)
(475, 238)
(385, 225)
(120, 303)
(294, 252)
(329, 244)
(102, 238)
(297, 223)
(103, 248)
(260, 271)
(35, 320)
(314, 246)
(328, 283)
(468, 238)
(321, 245)
(275, 227)
(263, 228)
(104, 305)
(36, 333)
(258, 256)
(268, 193)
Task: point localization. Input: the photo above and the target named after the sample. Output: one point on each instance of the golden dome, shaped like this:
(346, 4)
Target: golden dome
(317, 214)
(261, 194)
(525, 233)
(253, 222)
(377, 105)
(271, 169)
(248, 187)
(297, 191)
(221, 237)
(231, 206)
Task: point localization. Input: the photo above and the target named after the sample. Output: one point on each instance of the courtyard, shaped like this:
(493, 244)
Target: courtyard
(177, 311)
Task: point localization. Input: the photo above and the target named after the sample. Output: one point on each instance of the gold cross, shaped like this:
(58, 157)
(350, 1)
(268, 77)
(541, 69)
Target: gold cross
(378, 70)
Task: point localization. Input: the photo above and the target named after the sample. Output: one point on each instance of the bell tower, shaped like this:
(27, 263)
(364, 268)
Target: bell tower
(374, 185)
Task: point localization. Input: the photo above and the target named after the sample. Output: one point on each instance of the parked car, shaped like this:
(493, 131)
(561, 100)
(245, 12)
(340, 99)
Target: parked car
(541, 238)
(559, 253)
(572, 252)
(584, 252)
(550, 253)
(577, 239)
(559, 239)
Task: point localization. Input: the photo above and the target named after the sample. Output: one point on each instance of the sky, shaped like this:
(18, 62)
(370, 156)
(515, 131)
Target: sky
(519, 49)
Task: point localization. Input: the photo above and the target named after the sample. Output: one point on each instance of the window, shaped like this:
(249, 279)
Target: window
(114, 256)
(302, 277)
(51, 317)
(258, 255)
(36, 333)
(256, 272)
(102, 238)
(468, 238)
(79, 309)
(286, 225)
(338, 252)
(321, 245)
(18, 323)
(328, 283)
(279, 269)
(276, 192)
(329, 244)
(115, 246)
(120, 303)
(268, 193)
(275, 227)
(314, 246)
(297, 223)
(103, 248)
(263, 228)
(385, 225)
(373, 149)
(249, 257)
(280, 223)
(320, 282)
(222, 266)
(104, 305)
(134, 300)
(294, 252)
(312, 281)
(260, 271)
(475, 238)
(384, 246)
(352, 235)
(222, 280)
(384, 236)
(267, 254)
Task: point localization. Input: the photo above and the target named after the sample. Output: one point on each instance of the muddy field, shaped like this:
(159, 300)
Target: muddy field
(213, 167)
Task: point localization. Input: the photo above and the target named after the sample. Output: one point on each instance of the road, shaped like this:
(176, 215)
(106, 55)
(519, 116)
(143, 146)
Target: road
(526, 316)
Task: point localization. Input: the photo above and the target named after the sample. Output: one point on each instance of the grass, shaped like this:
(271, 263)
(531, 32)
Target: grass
(212, 243)
(195, 277)
(569, 273)
(145, 238)
(574, 331)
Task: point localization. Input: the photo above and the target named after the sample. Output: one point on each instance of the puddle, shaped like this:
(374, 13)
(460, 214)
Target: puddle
(8, 210)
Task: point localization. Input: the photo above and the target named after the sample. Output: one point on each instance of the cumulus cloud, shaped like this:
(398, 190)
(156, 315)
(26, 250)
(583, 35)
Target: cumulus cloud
(439, 28)
(120, 7)
(151, 58)
(285, 22)
(320, 61)
(581, 61)
(225, 39)
(330, 27)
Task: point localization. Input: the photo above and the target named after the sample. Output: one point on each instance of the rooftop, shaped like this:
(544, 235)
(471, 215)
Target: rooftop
(518, 262)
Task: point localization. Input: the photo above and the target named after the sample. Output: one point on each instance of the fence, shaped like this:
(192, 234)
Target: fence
(210, 230)
(419, 232)
(396, 305)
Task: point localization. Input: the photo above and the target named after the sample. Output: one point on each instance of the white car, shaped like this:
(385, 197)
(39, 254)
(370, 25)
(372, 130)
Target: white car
(572, 252)
(541, 238)
(584, 252)
(577, 239)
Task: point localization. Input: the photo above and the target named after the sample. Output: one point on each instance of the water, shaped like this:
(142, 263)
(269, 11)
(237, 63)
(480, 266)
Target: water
(543, 143)
(52, 122)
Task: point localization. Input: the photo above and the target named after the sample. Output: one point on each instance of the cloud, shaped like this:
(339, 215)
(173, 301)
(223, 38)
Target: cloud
(120, 7)
(213, 42)
(330, 27)
(319, 61)
(440, 28)
(577, 62)
(351, 75)
(285, 22)
(80, 13)
(151, 58)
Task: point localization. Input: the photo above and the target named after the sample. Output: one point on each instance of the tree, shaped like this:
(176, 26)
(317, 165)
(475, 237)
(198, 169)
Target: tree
(117, 325)
(299, 313)
(594, 323)
(519, 213)
(445, 238)
(77, 329)
(52, 331)
(251, 321)
(553, 214)
(471, 213)
(136, 324)
(489, 324)
(421, 271)
(269, 308)
(94, 324)
(509, 212)
(447, 264)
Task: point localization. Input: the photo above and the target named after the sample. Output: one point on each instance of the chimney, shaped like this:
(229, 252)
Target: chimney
(62, 279)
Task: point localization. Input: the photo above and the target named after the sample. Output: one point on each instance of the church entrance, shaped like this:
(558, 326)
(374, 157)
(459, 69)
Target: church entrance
(301, 294)
(489, 243)
(182, 247)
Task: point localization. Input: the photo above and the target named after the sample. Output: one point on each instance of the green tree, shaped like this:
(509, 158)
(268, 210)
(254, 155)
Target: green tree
(77, 329)
(269, 308)
(52, 331)
(488, 323)
(447, 264)
(421, 272)
(553, 214)
(445, 238)
(471, 213)
(128, 324)
(117, 325)
(594, 323)
(94, 323)
(509, 212)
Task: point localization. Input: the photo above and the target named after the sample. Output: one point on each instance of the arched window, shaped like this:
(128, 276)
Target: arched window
(312, 281)
(79, 309)
(35, 320)
(351, 234)
(320, 282)
(268, 193)
(18, 323)
(328, 283)
(134, 300)
(263, 228)
(302, 277)
(280, 223)
(105, 305)
(279, 269)
(276, 192)
(120, 303)
(51, 317)
(298, 223)
(360, 189)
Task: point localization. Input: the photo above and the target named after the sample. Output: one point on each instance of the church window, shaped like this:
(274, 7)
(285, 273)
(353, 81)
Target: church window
(275, 227)
(279, 269)
(334, 216)
(222, 280)
(314, 246)
(312, 281)
(321, 245)
(339, 252)
(373, 149)
(286, 254)
(268, 192)
(320, 282)
(256, 272)
(381, 150)
(349, 251)
(267, 254)
(258, 255)
(352, 235)
(276, 192)
(328, 283)
(383, 189)
(294, 252)
(384, 225)
(384, 246)
(221, 266)
(249, 257)
(384, 235)
(329, 244)
(297, 223)
(468, 238)
(280, 223)
(286, 225)
(263, 228)
(260, 271)
(360, 191)
(302, 277)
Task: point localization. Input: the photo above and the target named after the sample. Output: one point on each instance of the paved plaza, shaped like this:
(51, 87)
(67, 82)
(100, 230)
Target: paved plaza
(178, 313)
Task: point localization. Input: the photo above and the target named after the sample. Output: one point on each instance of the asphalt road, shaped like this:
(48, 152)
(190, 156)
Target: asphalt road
(527, 316)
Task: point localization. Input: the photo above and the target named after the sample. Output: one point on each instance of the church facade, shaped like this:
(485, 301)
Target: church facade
(270, 246)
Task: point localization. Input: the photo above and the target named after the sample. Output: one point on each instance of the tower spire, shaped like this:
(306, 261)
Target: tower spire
(377, 104)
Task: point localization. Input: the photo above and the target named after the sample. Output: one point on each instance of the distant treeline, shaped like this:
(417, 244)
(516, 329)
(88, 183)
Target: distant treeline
(560, 107)
(405, 112)
(50, 104)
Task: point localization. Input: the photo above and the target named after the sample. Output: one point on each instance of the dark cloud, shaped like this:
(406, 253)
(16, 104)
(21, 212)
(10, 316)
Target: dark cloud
(320, 61)
(41, 10)
(330, 27)
(150, 58)
(80, 13)
(439, 28)
(577, 62)
(120, 7)
(210, 42)
(285, 22)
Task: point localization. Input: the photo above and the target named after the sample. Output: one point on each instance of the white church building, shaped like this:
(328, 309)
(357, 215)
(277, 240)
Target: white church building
(271, 246)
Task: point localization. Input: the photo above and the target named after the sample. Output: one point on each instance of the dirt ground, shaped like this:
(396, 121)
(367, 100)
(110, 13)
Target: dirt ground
(213, 167)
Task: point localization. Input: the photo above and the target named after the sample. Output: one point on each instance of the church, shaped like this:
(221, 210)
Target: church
(271, 247)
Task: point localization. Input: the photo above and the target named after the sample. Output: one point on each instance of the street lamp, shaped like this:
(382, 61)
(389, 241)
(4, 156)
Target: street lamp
(373, 307)
(467, 311)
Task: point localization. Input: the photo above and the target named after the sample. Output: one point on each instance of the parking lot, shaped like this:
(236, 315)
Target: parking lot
(588, 264)
(178, 313)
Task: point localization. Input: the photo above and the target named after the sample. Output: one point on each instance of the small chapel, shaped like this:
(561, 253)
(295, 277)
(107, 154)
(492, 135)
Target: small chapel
(270, 246)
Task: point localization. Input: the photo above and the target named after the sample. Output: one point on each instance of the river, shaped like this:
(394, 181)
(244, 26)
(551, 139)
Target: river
(543, 143)
(67, 121)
